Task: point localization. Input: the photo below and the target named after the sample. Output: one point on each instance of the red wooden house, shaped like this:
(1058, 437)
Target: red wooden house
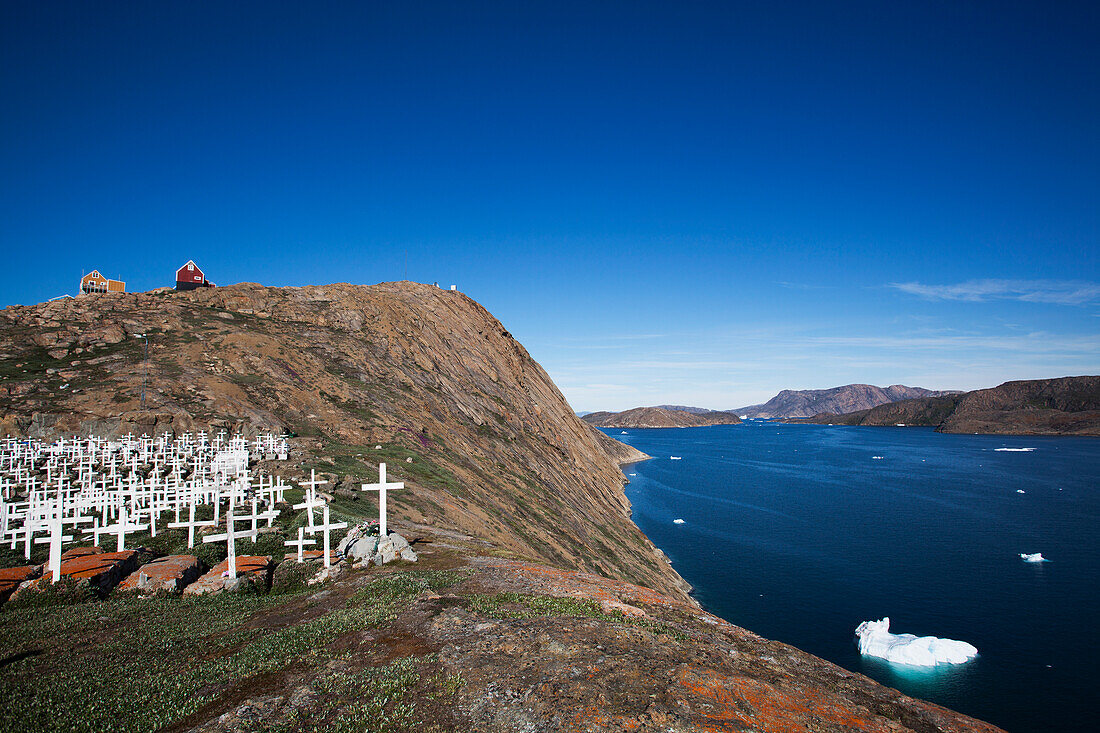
(190, 277)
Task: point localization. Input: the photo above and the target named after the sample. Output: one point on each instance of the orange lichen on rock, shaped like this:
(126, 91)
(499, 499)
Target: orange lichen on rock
(81, 552)
(10, 578)
(252, 570)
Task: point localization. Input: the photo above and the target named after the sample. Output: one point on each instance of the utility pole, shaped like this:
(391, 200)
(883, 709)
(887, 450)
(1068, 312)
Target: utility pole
(144, 368)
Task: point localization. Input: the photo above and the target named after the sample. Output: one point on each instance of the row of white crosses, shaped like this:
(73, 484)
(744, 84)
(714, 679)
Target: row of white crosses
(122, 487)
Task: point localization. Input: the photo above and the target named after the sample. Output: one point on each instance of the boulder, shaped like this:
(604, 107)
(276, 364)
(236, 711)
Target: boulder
(253, 573)
(392, 547)
(386, 552)
(357, 544)
(169, 574)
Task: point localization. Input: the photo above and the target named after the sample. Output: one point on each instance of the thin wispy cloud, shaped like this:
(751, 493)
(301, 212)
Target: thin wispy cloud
(1059, 292)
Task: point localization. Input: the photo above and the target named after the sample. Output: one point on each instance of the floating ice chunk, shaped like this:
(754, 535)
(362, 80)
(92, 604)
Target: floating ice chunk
(677, 521)
(632, 474)
(1020, 491)
(1013, 450)
(876, 458)
(674, 458)
(623, 433)
(1033, 557)
(875, 640)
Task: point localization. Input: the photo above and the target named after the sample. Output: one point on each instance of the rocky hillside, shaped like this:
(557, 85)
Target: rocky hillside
(685, 408)
(923, 411)
(422, 378)
(658, 417)
(1064, 406)
(837, 400)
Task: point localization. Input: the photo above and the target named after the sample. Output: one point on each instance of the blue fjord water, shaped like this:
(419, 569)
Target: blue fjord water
(799, 533)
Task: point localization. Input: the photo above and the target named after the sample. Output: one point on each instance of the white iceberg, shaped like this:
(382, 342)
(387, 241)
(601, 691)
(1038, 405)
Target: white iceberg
(875, 640)
(876, 458)
(677, 521)
(674, 458)
(1013, 450)
(1020, 491)
(1033, 557)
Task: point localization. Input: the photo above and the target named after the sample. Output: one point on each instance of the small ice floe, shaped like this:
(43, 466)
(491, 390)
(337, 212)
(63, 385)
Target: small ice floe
(876, 458)
(674, 458)
(1033, 557)
(632, 474)
(623, 433)
(677, 521)
(875, 640)
(899, 425)
(1013, 450)
(1020, 491)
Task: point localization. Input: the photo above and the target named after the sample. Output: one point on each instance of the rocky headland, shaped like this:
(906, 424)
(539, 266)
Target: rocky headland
(534, 603)
(659, 417)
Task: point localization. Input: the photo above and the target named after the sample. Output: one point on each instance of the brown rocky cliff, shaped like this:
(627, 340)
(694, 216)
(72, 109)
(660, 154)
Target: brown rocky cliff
(427, 374)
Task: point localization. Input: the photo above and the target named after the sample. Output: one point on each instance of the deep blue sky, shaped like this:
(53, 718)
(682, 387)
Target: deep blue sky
(671, 202)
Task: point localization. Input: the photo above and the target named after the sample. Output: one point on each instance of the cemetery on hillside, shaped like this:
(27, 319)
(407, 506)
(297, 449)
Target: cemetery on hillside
(116, 514)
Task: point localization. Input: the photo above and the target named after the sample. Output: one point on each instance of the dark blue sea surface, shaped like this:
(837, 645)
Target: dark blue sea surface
(799, 533)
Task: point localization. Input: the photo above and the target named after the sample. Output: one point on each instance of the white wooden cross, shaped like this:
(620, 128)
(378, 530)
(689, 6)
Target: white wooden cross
(381, 487)
(230, 537)
(300, 543)
(122, 528)
(190, 524)
(55, 539)
(311, 499)
(257, 515)
(325, 527)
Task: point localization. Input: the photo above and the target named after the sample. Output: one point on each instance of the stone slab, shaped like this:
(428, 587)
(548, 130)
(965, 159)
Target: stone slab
(10, 578)
(102, 571)
(81, 552)
(169, 574)
(252, 570)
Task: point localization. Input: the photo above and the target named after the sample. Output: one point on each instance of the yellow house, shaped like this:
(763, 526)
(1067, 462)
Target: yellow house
(93, 282)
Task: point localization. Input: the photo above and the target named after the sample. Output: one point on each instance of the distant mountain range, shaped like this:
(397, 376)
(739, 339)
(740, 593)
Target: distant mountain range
(838, 400)
(1063, 406)
(659, 417)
